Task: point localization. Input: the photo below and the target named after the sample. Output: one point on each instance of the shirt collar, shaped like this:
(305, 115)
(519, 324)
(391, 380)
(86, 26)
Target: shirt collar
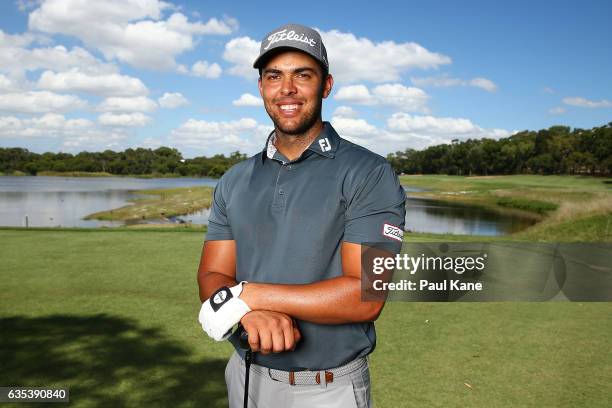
(325, 144)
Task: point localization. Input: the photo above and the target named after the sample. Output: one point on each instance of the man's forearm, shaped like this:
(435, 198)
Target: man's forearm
(331, 301)
(209, 282)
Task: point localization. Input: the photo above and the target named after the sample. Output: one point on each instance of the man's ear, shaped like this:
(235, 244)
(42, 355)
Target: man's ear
(259, 86)
(328, 85)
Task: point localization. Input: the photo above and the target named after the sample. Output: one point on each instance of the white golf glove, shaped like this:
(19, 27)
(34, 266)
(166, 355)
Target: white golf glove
(222, 311)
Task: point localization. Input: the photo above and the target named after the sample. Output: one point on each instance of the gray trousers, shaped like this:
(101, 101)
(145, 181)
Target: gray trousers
(349, 391)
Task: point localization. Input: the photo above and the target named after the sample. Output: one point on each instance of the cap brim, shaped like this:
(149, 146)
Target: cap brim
(273, 51)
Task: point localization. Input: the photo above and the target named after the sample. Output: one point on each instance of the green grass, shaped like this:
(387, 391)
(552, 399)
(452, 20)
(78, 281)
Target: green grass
(75, 174)
(50, 173)
(457, 183)
(568, 208)
(113, 314)
(540, 207)
(159, 203)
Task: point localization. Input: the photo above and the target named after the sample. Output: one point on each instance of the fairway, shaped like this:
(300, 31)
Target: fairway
(112, 315)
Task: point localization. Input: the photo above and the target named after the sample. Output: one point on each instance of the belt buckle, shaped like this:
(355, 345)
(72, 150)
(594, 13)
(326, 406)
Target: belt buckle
(329, 377)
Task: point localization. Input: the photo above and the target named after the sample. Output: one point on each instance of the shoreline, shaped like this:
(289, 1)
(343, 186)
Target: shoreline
(565, 208)
(102, 175)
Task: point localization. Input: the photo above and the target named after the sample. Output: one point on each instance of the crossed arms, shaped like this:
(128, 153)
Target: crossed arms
(270, 325)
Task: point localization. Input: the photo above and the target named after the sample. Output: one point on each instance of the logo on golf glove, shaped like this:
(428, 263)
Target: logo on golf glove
(222, 311)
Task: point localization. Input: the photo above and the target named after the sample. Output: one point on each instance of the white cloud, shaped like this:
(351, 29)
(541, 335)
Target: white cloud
(404, 131)
(354, 59)
(172, 100)
(15, 59)
(242, 52)
(558, 110)
(101, 84)
(247, 99)
(40, 102)
(548, 90)
(75, 134)
(15, 40)
(345, 112)
(354, 128)
(407, 98)
(358, 94)
(443, 129)
(131, 31)
(204, 69)
(245, 135)
(483, 83)
(127, 104)
(93, 140)
(7, 84)
(351, 58)
(48, 125)
(446, 81)
(124, 119)
(586, 103)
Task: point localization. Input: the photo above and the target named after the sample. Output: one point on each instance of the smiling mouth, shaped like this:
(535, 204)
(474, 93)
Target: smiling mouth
(289, 109)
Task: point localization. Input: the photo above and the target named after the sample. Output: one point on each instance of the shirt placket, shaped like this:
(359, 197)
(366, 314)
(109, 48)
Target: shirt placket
(280, 192)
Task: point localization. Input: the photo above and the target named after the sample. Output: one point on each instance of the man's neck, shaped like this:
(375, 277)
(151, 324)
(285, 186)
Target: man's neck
(292, 146)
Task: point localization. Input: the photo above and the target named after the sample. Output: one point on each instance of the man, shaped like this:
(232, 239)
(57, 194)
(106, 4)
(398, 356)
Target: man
(289, 224)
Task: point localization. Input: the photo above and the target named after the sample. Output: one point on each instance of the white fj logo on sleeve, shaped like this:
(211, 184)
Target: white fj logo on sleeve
(393, 232)
(325, 145)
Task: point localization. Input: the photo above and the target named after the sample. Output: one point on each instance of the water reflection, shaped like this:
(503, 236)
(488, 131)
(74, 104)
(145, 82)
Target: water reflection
(64, 201)
(425, 215)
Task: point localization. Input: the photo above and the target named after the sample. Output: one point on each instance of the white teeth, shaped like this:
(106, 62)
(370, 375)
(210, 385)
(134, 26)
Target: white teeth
(288, 107)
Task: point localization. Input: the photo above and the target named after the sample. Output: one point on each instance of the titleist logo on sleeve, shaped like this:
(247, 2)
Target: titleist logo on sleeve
(393, 232)
(284, 35)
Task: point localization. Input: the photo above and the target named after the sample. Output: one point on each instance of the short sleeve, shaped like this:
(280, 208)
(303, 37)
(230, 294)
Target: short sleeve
(376, 209)
(218, 224)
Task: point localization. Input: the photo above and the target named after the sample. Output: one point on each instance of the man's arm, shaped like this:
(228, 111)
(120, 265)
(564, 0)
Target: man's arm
(268, 331)
(217, 267)
(331, 301)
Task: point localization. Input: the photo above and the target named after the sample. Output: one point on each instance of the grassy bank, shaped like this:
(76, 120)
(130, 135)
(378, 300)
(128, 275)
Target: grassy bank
(94, 174)
(160, 203)
(568, 208)
(113, 315)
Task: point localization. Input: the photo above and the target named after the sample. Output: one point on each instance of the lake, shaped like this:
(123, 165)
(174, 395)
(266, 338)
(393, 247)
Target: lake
(64, 201)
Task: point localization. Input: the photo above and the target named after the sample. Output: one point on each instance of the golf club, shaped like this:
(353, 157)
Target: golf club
(243, 340)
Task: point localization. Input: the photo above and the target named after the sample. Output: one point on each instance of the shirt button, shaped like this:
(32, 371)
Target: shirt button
(281, 192)
(289, 167)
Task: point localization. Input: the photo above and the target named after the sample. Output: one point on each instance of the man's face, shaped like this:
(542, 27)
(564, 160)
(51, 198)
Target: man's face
(292, 89)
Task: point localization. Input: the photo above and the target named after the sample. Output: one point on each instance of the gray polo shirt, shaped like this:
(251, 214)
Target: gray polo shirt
(289, 219)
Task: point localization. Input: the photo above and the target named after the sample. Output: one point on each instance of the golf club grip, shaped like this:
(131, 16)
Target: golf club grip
(243, 339)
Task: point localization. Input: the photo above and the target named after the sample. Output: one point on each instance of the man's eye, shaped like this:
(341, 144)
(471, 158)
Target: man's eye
(273, 76)
(303, 75)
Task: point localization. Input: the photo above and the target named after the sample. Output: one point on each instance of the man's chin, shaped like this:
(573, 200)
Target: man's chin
(294, 129)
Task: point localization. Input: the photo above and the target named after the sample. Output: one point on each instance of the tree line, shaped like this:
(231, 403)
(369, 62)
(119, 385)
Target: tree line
(556, 150)
(161, 161)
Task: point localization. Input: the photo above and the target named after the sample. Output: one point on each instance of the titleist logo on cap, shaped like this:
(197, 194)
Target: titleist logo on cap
(285, 35)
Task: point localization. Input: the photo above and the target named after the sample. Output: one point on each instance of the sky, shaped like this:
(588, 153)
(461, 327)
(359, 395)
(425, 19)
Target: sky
(78, 75)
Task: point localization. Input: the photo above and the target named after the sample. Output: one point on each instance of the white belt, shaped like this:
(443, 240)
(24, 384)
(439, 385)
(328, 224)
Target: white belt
(310, 377)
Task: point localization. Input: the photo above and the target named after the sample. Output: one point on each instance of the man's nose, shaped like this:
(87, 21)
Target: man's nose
(288, 87)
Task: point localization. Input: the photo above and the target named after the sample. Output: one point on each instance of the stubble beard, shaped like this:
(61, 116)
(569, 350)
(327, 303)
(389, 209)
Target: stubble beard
(309, 119)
